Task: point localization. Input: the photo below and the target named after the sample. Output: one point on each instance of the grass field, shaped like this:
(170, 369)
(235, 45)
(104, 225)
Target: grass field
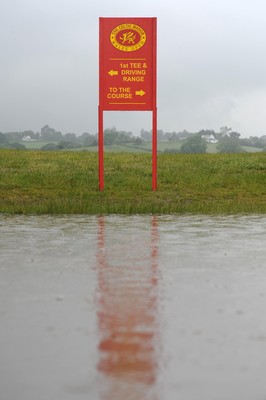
(67, 183)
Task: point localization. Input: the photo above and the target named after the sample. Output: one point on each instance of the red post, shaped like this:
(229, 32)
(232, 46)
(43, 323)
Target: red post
(100, 149)
(154, 150)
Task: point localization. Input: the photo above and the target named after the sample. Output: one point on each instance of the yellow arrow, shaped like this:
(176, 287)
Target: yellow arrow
(112, 72)
(139, 93)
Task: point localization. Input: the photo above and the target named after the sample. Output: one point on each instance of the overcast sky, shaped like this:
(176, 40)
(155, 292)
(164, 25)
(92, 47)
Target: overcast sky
(211, 65)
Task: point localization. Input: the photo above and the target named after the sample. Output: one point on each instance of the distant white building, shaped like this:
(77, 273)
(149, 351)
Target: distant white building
(27, 139)
(209, 138)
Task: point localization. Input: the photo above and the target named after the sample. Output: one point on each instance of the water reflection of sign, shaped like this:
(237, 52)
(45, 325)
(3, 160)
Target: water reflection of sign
(127, 315)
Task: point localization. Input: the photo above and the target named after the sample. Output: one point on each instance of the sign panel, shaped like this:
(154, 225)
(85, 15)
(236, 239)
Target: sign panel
(127, 79)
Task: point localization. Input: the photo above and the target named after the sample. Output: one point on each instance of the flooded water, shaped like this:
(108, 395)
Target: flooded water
(133, 308)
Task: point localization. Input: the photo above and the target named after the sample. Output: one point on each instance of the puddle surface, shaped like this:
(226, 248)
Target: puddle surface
(136, 308)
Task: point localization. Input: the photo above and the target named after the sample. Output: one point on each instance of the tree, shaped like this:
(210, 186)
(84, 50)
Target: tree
(234, 135)
(3, 138)
(70, 137)
(225, 131)
(145, 135)
(229, 145)
(89, 140)
(253, 141)
(194, 144)
(18, 146)
(138, 141)
(50, 147)
(112, 136)
(48, 133)
(66, 144)
(160, 135)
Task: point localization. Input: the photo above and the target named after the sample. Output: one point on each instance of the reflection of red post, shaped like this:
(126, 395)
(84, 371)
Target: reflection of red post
(154, 245)
(100, 255)
(127, 314)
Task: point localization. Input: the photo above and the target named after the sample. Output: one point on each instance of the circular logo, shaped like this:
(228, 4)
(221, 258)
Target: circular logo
(128, 37)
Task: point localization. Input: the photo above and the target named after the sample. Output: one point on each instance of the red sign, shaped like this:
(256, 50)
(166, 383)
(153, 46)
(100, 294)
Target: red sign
(127, 79)
(128, 64)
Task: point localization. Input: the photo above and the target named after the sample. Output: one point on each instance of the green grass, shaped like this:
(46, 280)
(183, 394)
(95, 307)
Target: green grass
(67, 183)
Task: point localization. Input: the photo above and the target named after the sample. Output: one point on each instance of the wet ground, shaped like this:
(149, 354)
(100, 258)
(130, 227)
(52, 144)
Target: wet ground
(136, 308)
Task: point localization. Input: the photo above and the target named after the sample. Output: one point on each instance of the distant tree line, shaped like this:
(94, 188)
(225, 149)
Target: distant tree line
(55, 140)
(226, 140)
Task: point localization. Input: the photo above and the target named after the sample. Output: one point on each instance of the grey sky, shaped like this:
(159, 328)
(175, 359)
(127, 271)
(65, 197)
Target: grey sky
(211, 64)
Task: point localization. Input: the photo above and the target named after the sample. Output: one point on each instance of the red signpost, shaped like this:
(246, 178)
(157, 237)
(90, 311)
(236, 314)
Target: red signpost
(127, 79)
